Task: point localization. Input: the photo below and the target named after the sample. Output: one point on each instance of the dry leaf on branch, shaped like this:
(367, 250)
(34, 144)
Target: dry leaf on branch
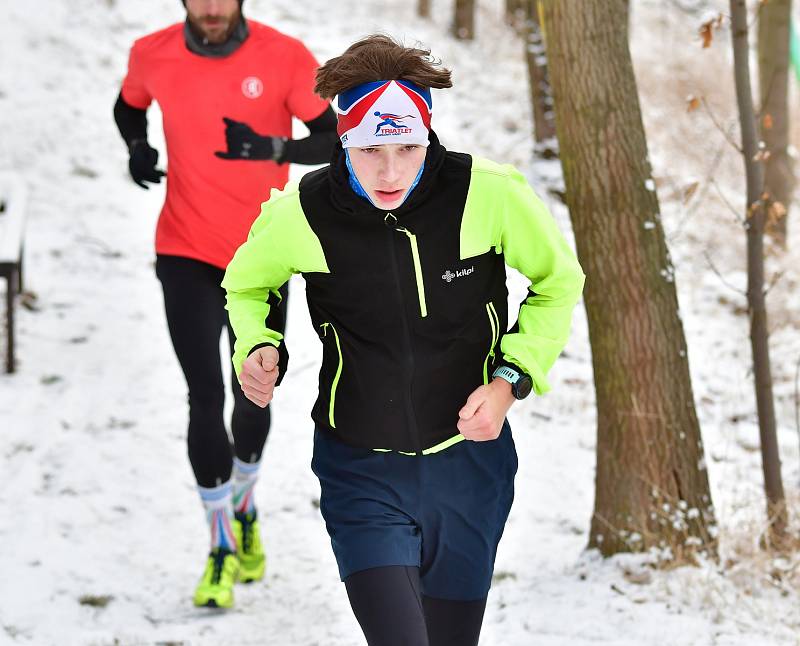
(689, 191)
(707, 29)
(775, 213)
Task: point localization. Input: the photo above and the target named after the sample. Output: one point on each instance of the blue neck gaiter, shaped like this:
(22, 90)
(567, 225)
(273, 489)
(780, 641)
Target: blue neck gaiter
(359, 190)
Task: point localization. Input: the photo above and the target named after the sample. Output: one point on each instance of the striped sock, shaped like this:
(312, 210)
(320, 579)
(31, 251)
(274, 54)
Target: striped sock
(245, 475)
(218, 503)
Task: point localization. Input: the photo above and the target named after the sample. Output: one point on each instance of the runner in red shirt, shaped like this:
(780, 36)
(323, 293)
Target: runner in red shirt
(228, 89)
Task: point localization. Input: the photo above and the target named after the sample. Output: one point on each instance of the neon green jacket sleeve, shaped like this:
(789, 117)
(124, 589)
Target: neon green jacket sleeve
(280, 243)
(503, 212)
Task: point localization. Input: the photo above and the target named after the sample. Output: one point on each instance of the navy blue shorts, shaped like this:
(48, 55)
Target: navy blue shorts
(443, 512)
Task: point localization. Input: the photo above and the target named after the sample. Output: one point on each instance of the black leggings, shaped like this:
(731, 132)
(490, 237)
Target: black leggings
(393, 612)
(196, 314)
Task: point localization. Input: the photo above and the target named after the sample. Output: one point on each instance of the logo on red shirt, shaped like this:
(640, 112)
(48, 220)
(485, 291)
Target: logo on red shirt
(252, 87)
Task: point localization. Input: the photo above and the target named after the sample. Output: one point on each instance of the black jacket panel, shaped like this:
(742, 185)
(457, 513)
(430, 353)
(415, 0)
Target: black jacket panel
(402, 377)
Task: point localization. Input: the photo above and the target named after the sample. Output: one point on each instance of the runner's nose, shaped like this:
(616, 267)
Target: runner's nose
(390, 171)
(213, 8)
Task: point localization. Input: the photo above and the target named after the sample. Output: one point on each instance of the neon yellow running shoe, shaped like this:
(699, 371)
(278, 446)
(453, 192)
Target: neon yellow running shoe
(215, 589)
(252, 559)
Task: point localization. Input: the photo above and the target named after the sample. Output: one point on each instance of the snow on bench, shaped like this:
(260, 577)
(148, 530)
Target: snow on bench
(13, 197)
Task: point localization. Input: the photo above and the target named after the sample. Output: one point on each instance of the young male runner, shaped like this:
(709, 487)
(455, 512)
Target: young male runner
(404, 247)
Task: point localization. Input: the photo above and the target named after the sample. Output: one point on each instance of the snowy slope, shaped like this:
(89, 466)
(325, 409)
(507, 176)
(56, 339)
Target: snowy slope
(102, 531)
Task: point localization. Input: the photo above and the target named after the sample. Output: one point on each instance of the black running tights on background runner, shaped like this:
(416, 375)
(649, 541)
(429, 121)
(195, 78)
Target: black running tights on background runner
(393, 612)
(196, 314)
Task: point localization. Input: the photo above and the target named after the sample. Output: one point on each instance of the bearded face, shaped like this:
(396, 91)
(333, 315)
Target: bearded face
(214, 20)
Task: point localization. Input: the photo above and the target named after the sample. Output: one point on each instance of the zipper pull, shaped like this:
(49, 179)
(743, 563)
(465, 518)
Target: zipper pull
(324, 327)
(408, 233)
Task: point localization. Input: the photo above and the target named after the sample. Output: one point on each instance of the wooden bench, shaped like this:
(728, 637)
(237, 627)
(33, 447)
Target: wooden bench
(13, 197)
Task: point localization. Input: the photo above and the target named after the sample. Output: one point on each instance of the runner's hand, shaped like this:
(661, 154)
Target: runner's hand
(142, 164)
(259, 374)
(244, 143)
(482, 417)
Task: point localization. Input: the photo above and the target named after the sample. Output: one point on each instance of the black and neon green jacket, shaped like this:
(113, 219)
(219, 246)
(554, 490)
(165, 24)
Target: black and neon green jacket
(410, 305)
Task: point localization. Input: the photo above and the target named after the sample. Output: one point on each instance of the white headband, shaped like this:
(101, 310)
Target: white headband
(384, 112)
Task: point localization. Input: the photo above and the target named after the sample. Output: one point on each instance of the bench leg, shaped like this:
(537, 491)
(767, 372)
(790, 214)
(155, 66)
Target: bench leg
(19, 270)
(12, 279)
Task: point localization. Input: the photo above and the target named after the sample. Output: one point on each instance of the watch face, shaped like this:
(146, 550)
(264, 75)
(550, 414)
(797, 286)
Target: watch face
(523, 387)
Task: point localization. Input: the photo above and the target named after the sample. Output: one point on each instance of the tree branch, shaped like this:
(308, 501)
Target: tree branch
(721, 195)
(710, 113)
(721, 277)
(691, 7)
(700, 196)
(775, 278)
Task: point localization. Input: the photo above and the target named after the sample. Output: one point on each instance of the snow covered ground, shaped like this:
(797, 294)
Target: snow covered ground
(103, 536)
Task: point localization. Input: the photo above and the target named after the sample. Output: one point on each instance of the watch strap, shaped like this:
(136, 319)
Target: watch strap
(508, 373)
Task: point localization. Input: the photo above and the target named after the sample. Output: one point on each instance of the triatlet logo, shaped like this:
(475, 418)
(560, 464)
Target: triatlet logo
(389, 124)
(460, 273)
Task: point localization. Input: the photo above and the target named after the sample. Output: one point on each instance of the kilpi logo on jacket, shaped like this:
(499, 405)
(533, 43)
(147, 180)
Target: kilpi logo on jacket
(460, 273)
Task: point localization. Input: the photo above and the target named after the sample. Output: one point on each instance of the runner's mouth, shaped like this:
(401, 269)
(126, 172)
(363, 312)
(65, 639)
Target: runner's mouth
(389, 196)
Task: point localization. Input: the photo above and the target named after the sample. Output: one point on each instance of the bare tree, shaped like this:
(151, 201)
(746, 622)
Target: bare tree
(774, 18)
(651, 481)
(544, 123)
(464, 20)
(424, 8)
(756, 300)
(524, 17)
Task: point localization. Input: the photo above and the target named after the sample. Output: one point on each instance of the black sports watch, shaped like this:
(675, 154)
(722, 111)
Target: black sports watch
(521, 384)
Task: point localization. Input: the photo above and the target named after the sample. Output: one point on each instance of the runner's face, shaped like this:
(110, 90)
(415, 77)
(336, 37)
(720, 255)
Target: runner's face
(215, 20)
(387, 172)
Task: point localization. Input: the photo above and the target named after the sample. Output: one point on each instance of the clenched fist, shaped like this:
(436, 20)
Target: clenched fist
(482, 417)
(259, 374)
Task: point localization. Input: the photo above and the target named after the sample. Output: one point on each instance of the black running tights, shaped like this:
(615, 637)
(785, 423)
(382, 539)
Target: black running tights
(196, 314)
(393, 612)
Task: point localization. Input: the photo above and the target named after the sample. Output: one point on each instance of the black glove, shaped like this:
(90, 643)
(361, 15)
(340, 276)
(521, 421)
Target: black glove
(245, 143)
(142, 164)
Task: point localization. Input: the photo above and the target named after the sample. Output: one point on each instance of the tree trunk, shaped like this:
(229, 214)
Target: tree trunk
(774, 21)
(544, 124)
(424, 8)
(464, 22)
(651, 482)
(759, 340)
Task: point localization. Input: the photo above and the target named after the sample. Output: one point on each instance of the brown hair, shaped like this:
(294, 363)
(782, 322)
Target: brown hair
(380, 58)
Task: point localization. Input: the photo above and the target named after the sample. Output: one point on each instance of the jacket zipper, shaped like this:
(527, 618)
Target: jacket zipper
(423, 308)
(390, 220)
(335, 383)
(494, 321)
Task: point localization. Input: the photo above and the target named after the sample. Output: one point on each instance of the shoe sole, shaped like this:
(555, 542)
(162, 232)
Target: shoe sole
(211, 603)
(250, 578)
